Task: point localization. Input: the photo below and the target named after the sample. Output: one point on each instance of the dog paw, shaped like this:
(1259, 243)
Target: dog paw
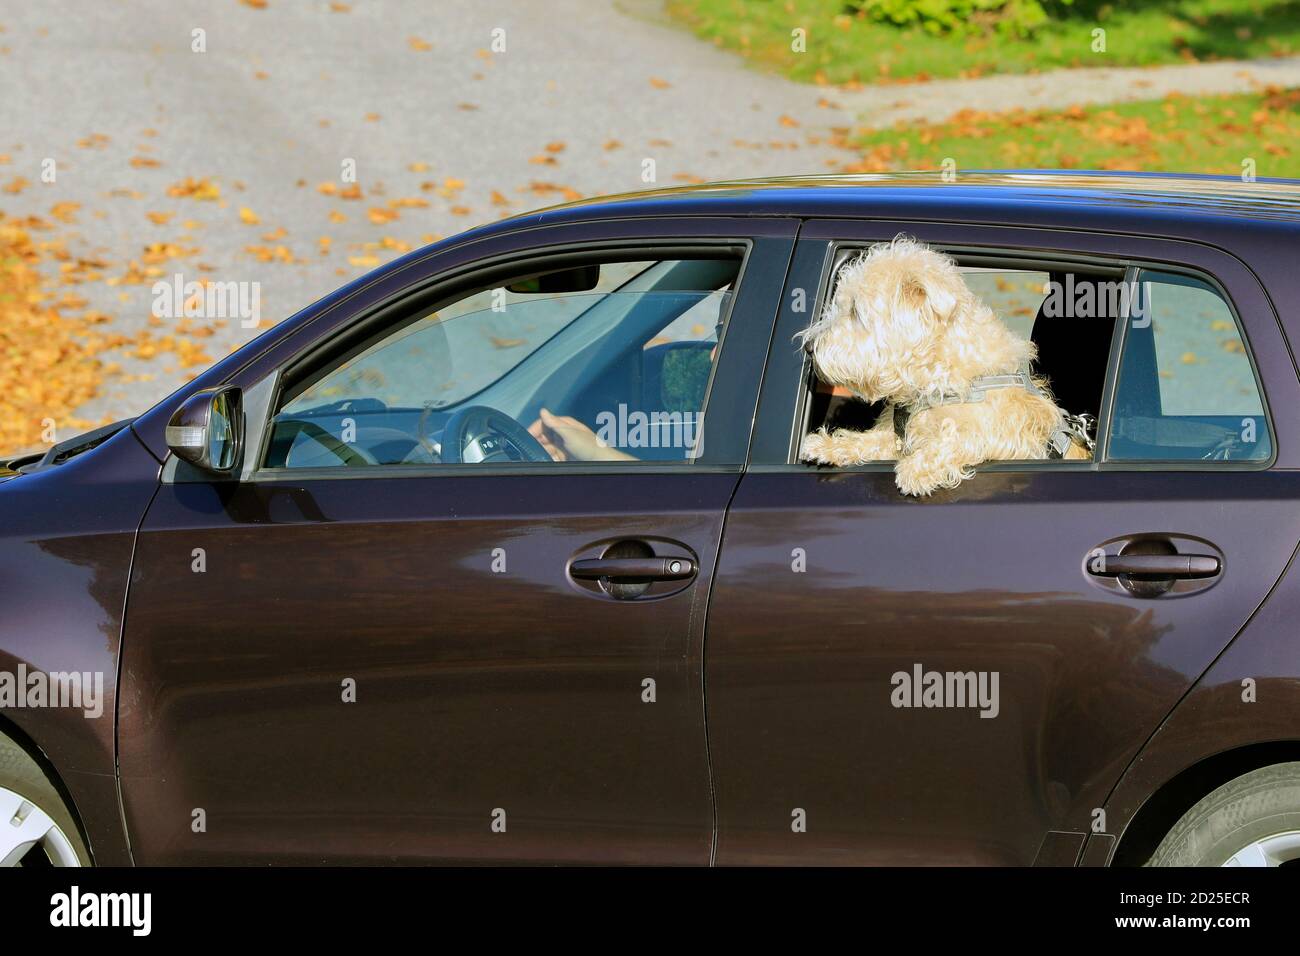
(911, 485)
(919, 477)
(817, 447)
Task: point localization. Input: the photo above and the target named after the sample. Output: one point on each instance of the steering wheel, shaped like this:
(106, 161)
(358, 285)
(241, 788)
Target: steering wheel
(492, 433)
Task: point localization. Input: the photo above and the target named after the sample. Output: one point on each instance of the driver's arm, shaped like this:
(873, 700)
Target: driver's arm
(567, 439)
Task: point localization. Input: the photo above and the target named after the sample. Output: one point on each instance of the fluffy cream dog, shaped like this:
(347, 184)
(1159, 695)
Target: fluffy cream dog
(903, 326)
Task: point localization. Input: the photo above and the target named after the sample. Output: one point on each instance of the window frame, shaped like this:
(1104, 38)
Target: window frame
(836, 251)
(439, 290)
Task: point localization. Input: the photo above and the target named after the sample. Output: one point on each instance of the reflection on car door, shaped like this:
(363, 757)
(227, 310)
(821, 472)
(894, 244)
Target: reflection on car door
(388, 668)
(831, 583)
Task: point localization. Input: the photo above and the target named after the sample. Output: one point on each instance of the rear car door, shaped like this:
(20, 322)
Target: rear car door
(839, 601)
(375, 647)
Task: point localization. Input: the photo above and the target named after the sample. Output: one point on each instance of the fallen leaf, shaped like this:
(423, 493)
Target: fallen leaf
(202, 189)
(65, 211)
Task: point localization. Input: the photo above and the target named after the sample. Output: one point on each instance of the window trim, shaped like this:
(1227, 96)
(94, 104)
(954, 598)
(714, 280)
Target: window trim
(436, 290)
(836, 253)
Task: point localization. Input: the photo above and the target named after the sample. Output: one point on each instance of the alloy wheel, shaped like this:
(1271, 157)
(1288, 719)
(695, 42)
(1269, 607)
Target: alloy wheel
(29, 836)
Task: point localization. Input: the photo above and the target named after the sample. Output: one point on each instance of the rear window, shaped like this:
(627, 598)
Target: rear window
(1187, 389)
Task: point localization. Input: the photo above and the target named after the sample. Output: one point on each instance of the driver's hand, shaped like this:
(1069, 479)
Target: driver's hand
(567, 439)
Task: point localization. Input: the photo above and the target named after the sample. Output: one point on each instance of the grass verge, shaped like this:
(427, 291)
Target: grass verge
(1212, 134)
(847, 48)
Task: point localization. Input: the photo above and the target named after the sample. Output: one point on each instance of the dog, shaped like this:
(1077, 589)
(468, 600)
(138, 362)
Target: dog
(903, 327)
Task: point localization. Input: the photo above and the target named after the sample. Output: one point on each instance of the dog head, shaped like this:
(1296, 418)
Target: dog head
(903, 323)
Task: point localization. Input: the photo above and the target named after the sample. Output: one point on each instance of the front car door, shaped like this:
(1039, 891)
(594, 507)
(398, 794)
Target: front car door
(404, 634)
(834, 592)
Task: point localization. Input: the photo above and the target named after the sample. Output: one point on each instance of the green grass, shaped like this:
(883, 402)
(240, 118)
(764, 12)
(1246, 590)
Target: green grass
(846, 48)
(1212, 134)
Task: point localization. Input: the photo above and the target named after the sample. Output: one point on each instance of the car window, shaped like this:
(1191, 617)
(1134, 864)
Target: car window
(612, 365)
(1187, 389)
(1066, 313)
(1014, 294)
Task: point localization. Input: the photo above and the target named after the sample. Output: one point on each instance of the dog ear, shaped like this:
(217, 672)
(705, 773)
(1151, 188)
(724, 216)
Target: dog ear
(941, 299)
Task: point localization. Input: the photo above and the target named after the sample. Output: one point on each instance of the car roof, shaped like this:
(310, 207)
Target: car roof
(970, 196)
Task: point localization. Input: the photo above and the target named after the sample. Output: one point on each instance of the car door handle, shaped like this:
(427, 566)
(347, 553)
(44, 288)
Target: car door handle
(1157, 565)
(651, 568)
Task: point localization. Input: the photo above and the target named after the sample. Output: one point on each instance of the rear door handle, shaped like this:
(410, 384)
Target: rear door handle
(1157, 565)
(651, 568)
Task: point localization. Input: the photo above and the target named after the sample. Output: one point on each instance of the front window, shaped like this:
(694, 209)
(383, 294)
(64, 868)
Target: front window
(607, 361)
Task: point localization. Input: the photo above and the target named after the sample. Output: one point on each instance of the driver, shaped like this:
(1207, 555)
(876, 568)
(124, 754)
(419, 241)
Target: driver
(566, 439)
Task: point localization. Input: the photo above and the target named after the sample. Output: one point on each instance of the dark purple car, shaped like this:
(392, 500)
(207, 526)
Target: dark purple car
(503, 553)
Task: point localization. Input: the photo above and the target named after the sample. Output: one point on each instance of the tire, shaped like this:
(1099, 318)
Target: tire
(26, 792)
(1253, 820)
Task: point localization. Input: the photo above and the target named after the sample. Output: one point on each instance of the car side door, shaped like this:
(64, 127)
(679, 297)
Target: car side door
(839, 602)
(362, 652)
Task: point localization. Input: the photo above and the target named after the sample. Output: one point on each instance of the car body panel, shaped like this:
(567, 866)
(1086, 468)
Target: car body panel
(487, 680)
(1248, 702)
(66, 540)
(987, 578)
(475, 690)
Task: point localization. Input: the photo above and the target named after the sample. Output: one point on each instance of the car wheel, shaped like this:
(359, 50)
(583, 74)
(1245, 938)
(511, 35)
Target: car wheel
(36, 827)
(1253, 820)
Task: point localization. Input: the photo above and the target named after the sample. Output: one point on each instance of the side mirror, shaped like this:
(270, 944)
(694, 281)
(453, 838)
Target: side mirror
(675, 375)
(208, 430)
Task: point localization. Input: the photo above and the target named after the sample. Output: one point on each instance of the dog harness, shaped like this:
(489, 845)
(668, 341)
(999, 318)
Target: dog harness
(1069, 428)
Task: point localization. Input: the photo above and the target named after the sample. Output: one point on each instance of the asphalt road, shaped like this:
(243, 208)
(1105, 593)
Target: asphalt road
(284, 96)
